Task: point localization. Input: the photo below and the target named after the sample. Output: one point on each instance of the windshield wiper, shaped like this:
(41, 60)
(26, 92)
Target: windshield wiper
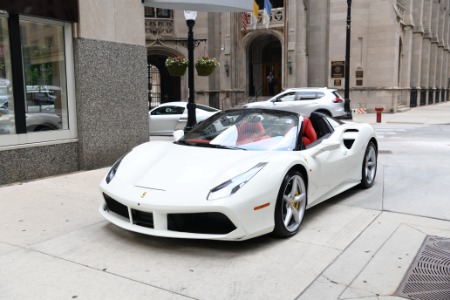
(226, 147)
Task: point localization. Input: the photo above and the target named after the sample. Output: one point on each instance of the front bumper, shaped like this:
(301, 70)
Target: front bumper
(228, 219)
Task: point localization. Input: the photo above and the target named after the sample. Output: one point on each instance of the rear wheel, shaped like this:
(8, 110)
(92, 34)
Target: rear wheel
(369, 166)
(291, 205)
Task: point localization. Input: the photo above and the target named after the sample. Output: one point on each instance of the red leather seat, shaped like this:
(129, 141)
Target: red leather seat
(249, 131)
(309, 134)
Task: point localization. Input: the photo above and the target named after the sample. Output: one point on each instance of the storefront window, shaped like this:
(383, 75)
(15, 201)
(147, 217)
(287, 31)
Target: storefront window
(44, 75)
(37, 96)
(6, 97)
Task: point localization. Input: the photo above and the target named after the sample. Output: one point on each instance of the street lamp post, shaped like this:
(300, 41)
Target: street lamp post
(190, 21)
(348, 111)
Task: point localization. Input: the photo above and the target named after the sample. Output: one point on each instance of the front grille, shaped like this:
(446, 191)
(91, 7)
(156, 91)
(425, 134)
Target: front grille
(203, 223)
(142, 218)
(116, 207)
(200, 223)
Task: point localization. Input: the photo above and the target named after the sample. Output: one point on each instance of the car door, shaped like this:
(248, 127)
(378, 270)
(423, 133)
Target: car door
(284, 101)
(329, 167)
(305, 102)
(165, 119)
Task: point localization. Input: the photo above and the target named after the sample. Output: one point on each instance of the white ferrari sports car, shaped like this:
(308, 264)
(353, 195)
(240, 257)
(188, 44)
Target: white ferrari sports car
(239, 174)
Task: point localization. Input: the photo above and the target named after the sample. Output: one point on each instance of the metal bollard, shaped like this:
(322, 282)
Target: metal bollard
(379, 110)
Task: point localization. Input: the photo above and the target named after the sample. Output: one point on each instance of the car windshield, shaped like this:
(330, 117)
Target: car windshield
(247, 129)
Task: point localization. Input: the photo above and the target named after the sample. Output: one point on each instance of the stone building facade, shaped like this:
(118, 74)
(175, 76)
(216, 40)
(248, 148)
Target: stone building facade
(398, 55)
(77, 77)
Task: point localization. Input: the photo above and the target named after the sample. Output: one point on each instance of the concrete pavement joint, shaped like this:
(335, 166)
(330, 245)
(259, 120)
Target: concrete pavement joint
(65, 233)
(370, 260)
(105, 271)
(415, 215)
(372, 256)
(382, 189)
(321, 274)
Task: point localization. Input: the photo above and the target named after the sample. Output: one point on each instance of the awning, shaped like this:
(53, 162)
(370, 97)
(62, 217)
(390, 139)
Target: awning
(203, 5)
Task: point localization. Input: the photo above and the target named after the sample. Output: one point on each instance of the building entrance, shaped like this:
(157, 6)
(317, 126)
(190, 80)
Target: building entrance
(264, 63)
(162, 87)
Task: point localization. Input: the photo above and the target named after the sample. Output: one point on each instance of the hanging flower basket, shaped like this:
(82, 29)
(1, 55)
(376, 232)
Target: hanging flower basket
(176, 65)
(176, 70)
(206, 65)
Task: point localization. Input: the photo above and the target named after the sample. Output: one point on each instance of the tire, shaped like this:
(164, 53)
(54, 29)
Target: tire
(41, 128)
(291, 205)
(369, 166)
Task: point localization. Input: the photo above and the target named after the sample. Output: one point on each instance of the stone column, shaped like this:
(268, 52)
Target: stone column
(296, 50)
(426, 46)
(408, 26)
(433, 49)
(405, 75)
(318, 41)
(417, 44)
(446, 53)
(440, 50)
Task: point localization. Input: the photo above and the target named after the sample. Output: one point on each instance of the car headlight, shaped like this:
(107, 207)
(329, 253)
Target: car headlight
(233, 185)
(113, 170)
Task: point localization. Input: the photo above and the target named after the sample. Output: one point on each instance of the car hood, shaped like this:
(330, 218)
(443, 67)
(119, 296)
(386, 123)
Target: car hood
(168, 166)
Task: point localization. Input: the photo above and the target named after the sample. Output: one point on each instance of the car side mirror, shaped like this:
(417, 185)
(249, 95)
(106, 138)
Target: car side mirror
(325, 146)
(178, 134)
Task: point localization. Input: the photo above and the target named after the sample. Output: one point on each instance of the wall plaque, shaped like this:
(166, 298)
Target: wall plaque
(359, 74)
(337, 69)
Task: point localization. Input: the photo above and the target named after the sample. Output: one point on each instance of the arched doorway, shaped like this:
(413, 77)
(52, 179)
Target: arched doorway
(164, 88)
(264, 57)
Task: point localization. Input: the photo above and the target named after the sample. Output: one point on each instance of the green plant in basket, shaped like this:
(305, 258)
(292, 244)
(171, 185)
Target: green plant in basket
(177, 65)
(205, 65)
(177, 61)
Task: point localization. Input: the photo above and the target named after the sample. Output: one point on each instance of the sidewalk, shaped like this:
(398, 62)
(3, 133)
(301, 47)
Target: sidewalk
(429, 114)
(55, 245)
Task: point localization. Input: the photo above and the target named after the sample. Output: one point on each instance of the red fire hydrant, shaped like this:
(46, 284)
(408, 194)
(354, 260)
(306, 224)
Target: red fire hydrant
(379, 110)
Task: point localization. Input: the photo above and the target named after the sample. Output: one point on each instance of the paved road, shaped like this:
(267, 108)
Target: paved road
(55, 245)
(414, 170)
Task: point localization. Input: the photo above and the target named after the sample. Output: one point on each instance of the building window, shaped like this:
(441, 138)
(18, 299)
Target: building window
(164, 13)
(275, 3)
(155, 86)
(38, 105)
(6, 96)
(149, 12)
(160, 13)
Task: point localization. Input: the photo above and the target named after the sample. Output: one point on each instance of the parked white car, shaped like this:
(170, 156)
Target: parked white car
(171, 116)
(239, 174)
(35, 122)
(305, 101)
(5, 87)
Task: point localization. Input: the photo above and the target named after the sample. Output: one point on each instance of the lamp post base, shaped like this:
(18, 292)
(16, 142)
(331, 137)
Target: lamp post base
(348, 111)
(191, 120)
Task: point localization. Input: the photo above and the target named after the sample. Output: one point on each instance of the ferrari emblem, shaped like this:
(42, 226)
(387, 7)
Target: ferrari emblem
(143, 194)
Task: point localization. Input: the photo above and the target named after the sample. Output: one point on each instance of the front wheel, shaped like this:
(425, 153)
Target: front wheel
(369, 166)
(291, 205)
